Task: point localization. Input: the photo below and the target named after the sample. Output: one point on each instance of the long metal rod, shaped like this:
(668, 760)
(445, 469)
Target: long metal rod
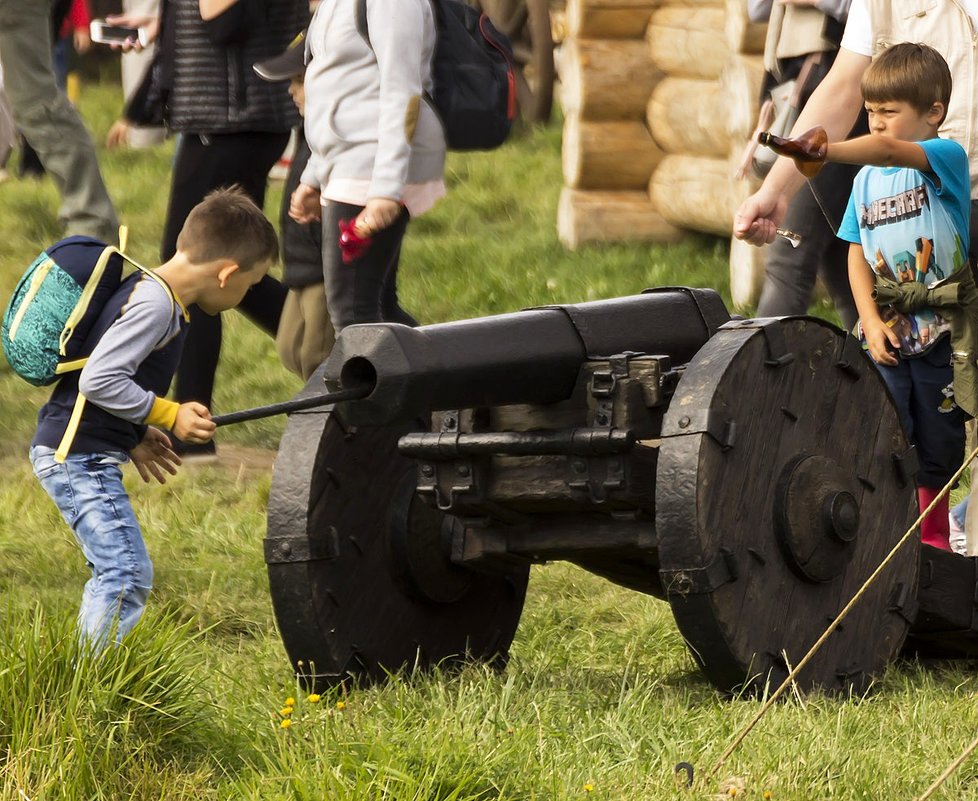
(287, 407)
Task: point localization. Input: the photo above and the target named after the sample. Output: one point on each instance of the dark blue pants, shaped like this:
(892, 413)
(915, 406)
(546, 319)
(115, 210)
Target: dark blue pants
(921, 387)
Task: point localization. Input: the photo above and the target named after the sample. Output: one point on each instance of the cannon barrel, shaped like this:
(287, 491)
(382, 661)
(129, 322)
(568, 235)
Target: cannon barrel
(532, 356)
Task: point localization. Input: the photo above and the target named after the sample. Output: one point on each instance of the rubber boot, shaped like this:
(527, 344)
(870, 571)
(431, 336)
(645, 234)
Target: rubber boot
(934, 529)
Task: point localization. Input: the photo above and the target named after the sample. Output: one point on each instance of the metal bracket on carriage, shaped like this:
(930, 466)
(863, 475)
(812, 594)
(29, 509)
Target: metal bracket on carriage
(700, 580)
(903, 603)
(777, 349)
(286, 550)
(907, 463)
(719, 425)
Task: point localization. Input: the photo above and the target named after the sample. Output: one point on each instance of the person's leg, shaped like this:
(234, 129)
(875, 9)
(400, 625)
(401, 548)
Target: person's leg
(355, 289)
(88, 490)
(789, 273)
(48, 121)
(939, 426)
(832, 187)
(200, 167)
(392, 310)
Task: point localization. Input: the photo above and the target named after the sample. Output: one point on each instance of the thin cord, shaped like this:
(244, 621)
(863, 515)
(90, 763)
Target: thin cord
(839, 618)
(949, 770)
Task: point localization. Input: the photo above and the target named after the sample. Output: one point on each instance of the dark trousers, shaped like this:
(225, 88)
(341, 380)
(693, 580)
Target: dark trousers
(790, 273)
(365, 289)
(922, 389)
(203, 164)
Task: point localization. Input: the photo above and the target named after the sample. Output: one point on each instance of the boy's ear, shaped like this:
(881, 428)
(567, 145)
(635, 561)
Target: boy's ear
(228, 269)
(937, 111)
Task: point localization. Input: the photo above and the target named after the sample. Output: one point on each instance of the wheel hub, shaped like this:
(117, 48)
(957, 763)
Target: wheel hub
(816, 517)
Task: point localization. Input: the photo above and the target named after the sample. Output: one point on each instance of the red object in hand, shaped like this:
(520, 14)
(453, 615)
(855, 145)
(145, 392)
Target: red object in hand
(352, 246)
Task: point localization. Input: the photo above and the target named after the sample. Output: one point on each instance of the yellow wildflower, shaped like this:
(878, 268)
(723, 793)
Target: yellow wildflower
(767, 795)
(341, 705)
(732, 791)
(290, 701)
(313, 699)
(285, 723)
(588, 787)
(285, 711)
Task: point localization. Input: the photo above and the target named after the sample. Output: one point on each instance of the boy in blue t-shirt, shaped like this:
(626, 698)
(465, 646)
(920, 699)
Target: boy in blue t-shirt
(907, 222)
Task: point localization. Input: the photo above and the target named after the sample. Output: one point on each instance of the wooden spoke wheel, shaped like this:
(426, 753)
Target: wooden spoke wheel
(359, 568)
(527, 24)
(784, 479)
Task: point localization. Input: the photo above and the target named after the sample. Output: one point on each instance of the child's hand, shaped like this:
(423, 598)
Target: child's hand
(878, 335)
(118, 134)
(378, 214)
(154, 455)
(193, 424)
(304, 205)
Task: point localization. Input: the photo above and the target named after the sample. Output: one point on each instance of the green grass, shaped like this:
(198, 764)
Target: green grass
(600, 691)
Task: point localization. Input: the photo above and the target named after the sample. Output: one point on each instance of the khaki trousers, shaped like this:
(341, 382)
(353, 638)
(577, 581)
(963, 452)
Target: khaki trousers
(305, 334)
(49, 122)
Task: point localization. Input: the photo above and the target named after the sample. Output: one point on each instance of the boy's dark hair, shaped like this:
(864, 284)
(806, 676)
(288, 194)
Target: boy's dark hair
(227, 224)
(908, 73)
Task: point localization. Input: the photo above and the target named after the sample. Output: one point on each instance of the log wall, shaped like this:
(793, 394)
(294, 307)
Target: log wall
(659, 98)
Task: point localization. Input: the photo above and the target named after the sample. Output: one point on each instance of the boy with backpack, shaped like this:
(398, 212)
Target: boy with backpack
(116, 409)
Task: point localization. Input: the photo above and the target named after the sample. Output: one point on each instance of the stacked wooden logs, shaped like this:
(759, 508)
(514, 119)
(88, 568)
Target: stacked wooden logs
(659, 100)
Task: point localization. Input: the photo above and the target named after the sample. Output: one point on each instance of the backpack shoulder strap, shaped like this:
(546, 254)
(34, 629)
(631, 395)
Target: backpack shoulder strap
(76, 413)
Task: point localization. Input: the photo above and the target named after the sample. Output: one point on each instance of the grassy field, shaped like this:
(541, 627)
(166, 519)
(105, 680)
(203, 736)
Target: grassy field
(600, 699)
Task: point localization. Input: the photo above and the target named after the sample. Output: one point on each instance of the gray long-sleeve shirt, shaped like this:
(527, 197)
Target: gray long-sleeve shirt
(366, 115)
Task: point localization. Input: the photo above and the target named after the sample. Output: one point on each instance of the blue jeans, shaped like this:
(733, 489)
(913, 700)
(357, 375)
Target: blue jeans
(87, 489)
(921, 387)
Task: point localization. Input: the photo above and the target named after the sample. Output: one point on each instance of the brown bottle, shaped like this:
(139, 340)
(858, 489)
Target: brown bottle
(807, 150)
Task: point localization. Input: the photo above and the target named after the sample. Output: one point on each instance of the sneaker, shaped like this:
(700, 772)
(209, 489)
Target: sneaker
(957, 539)
(205, 453)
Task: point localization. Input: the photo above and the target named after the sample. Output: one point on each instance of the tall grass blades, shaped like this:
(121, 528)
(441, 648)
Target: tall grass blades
(127, 723)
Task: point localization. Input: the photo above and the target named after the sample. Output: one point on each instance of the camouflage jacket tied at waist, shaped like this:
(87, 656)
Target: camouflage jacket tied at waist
(956, 298)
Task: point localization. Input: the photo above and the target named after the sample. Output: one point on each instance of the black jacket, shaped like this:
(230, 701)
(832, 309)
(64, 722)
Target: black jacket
(202, 81)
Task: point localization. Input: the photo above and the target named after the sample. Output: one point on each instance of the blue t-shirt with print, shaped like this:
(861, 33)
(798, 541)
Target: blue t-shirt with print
(913, 226)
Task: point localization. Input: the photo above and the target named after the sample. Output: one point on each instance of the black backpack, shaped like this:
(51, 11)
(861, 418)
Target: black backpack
(472, 70)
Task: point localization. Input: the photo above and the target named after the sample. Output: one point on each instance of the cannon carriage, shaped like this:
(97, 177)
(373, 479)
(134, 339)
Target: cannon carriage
(751, 473)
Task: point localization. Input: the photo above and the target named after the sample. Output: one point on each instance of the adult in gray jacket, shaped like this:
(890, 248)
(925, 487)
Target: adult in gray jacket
(378, 148)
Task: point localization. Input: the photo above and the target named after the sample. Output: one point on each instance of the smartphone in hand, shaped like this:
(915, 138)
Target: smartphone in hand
(103, 33)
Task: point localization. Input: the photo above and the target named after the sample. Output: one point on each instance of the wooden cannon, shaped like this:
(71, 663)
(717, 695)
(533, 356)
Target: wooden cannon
(751, 473)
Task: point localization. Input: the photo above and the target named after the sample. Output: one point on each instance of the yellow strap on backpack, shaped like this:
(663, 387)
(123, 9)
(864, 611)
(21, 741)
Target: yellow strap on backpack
(77, 364)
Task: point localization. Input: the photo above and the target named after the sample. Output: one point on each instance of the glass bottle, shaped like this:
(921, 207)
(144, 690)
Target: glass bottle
(807, 150)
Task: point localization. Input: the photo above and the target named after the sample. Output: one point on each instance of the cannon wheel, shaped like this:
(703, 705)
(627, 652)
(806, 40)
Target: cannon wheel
(359, 568)
(784, 479)
(527, 24)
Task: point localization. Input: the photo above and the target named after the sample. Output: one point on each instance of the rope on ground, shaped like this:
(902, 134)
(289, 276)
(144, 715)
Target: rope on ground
(949, 770)
(835, 623)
